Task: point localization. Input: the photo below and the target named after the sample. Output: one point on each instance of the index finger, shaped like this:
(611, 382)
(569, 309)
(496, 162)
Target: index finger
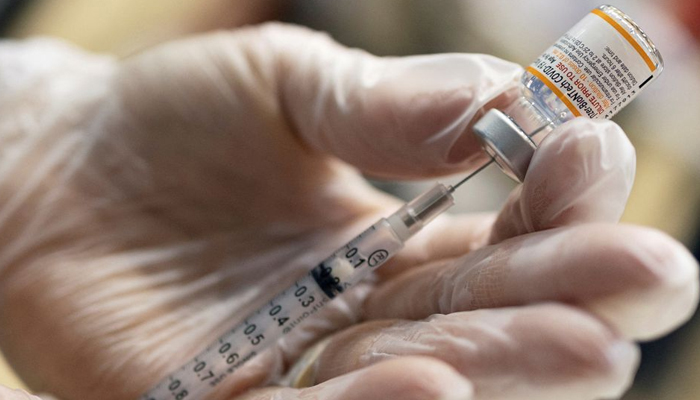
(401, 117)
(581, 173)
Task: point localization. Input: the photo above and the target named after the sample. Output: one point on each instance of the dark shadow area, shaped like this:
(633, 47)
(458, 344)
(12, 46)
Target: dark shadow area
(9, 10)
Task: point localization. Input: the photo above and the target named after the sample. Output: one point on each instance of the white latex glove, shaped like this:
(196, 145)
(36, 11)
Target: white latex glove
(148, 205)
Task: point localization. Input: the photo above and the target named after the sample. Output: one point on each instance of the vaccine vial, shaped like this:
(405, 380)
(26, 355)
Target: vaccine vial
(592, 71)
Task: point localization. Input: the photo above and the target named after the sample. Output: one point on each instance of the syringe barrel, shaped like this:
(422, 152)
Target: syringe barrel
(342, 270)
(417, 213)
(351, 263)
(373, 247)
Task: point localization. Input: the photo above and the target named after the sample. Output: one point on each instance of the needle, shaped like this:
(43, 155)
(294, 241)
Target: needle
(452, 188)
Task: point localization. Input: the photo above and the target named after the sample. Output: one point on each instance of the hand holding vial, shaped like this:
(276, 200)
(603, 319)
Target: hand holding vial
(160, 200)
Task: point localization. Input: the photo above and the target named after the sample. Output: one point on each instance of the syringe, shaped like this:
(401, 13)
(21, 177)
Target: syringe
(508, 146)
(342, 270)
(503, 140)
(554, 89)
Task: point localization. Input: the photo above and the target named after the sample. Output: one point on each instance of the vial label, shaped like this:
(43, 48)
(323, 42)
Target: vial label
(596, 68)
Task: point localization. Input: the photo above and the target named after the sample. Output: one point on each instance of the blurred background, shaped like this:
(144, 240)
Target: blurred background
(663, 123)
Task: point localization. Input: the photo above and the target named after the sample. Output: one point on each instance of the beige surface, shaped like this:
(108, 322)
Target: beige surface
(123, 26)
(665, 194)
(7, 377)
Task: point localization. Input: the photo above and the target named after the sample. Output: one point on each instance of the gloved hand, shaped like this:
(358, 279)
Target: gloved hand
(147, 205)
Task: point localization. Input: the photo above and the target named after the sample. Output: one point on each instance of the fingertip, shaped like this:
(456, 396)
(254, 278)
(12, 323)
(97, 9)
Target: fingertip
(570, 353)
(408, 378)
(592, 347)
(426, 106)
(582, 135)
(426, 378)
(640, 280)
(582, 172)
(404, 117)
(667, 300)
(597, 144)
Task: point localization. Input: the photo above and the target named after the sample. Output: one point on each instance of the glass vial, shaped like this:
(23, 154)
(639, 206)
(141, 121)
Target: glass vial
(592, 71)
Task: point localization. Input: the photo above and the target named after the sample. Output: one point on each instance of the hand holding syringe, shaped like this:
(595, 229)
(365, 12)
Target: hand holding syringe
(160, 199)
(554, 91)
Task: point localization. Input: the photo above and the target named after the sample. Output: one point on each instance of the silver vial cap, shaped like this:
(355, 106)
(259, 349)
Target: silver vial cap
(503, 140)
